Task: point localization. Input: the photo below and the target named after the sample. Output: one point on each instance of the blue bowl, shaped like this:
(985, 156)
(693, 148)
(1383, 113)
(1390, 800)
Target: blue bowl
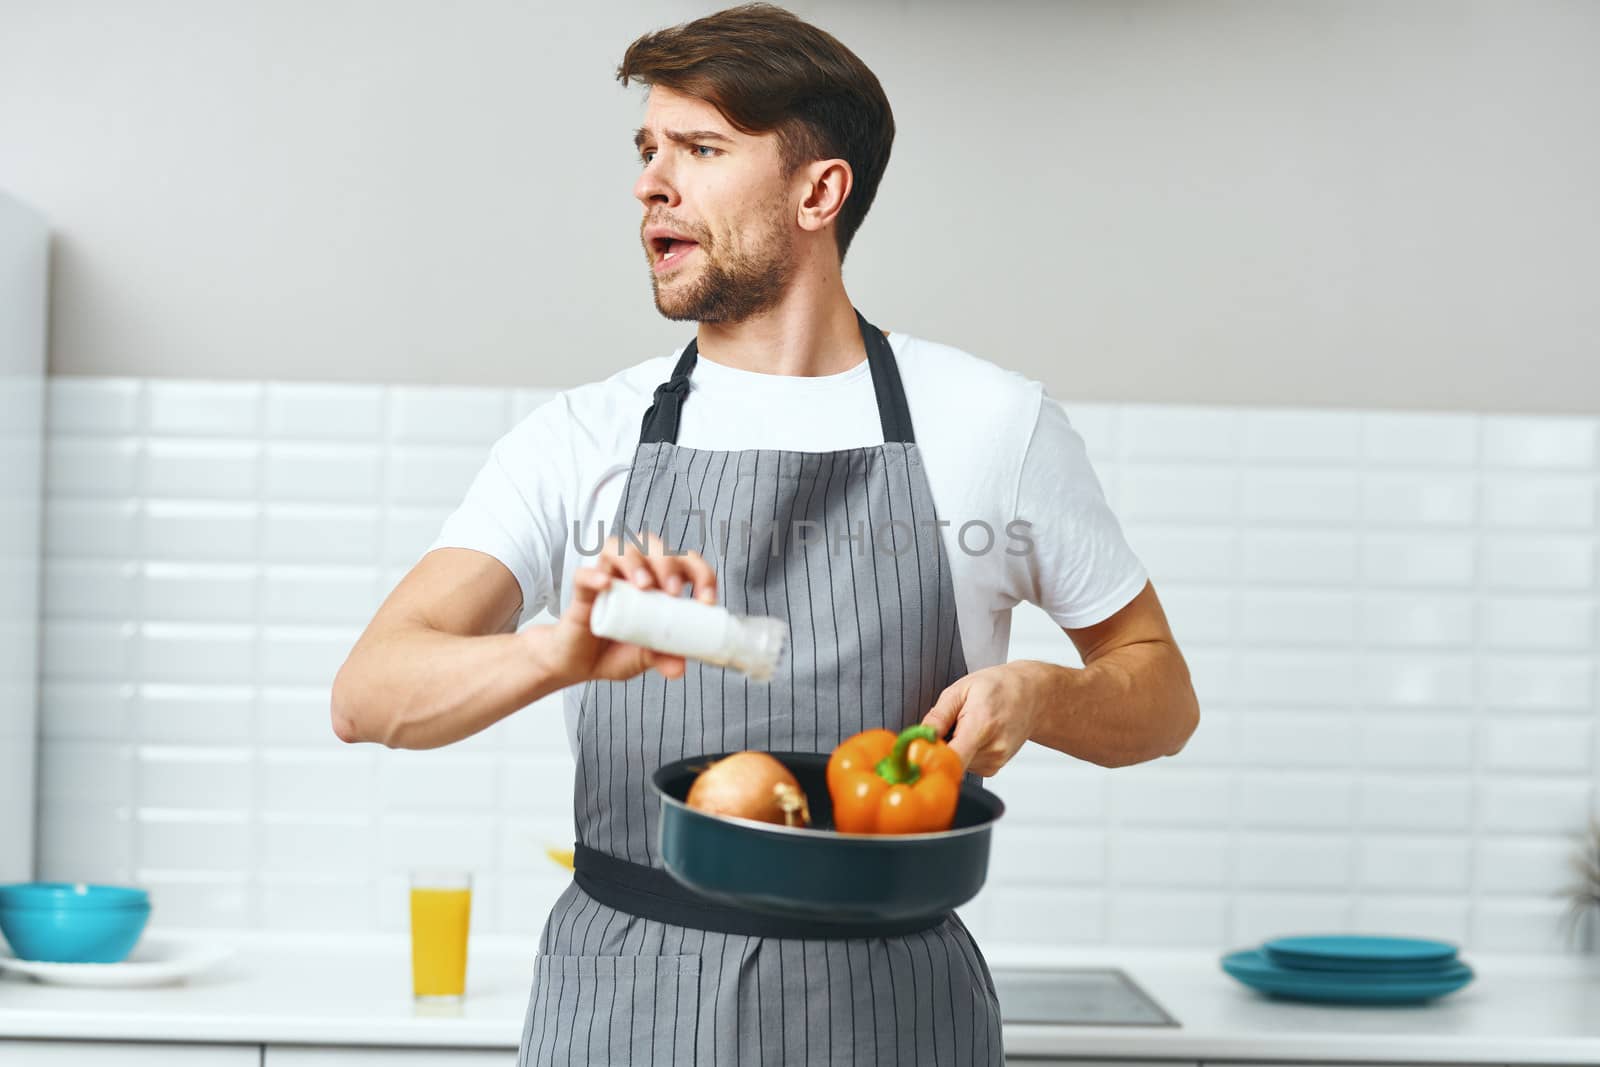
(77, 895)
(58, 922)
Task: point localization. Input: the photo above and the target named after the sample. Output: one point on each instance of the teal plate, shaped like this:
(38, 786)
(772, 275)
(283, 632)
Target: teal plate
(1255, 970)
(1361, 952)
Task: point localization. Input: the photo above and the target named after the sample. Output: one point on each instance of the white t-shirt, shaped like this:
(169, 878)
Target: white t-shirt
(994, 447)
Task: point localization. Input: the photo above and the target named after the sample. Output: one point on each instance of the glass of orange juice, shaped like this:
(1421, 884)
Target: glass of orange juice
(441, 909)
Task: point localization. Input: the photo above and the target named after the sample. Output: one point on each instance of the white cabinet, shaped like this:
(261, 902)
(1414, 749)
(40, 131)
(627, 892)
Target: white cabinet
(125, 1054)
(359, 1056)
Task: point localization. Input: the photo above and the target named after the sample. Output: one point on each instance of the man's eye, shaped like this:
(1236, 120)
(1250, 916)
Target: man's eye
(644, 157)
(707, 148)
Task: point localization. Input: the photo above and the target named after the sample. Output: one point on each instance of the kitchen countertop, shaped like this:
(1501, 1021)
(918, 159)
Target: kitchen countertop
(355, 989)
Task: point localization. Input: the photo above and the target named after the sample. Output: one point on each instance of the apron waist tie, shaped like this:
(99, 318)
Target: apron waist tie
(651, 893)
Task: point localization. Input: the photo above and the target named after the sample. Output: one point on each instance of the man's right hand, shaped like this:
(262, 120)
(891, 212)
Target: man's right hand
(573, 653)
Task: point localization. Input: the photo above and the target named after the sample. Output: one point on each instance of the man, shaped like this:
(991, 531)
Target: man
(763, 143)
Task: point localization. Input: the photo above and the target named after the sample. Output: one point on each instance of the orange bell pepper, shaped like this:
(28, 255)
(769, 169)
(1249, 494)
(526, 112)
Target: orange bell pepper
(887, 784)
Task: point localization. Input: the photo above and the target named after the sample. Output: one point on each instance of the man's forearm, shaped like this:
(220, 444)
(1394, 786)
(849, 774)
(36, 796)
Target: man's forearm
(419, 688)
(1130, 705)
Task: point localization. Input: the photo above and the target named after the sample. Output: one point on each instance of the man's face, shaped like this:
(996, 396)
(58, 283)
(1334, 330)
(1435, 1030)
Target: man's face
(725, 195)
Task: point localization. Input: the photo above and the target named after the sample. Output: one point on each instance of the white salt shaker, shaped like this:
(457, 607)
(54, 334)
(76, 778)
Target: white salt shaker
(653, 619)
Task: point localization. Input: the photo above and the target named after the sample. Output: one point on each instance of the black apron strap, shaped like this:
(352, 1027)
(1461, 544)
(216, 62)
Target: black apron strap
(893, 412)
(652, 893)
(661, 420)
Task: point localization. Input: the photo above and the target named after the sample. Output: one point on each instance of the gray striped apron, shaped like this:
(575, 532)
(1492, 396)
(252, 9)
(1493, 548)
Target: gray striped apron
(873, 641)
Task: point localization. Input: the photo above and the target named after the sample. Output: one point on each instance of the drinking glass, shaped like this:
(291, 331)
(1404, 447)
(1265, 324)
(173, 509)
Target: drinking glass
(441, 910)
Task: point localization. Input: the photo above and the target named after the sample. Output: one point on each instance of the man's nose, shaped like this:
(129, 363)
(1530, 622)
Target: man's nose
(655, 186)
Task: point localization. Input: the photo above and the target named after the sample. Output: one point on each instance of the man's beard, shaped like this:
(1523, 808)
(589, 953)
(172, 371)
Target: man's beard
(731, 287)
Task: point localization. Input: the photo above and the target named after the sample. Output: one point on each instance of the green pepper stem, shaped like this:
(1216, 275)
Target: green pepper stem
(895, 768)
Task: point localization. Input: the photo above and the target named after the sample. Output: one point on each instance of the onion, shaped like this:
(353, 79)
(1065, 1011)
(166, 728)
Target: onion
(750, 785)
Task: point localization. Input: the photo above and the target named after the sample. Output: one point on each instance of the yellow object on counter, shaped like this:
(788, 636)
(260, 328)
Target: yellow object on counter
(440, 917)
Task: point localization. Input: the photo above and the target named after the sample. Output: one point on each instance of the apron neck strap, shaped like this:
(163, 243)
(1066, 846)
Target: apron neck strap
(661, 420)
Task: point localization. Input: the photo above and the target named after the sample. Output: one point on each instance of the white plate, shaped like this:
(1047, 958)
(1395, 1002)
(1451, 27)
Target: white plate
(157, 959)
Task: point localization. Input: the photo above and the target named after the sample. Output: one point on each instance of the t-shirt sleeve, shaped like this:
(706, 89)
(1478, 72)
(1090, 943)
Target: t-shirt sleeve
(516, 510)
(1080, 568)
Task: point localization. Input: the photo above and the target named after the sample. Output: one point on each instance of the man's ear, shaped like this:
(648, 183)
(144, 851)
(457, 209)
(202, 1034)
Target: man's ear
(828, 183)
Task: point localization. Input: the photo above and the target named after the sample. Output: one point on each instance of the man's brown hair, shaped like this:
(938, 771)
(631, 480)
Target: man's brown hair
(767, 70)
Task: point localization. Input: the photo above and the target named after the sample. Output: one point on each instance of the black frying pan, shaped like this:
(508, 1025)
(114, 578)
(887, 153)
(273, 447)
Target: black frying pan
(816, 872)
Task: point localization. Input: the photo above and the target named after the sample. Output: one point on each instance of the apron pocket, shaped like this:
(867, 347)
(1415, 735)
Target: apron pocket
(613, 1009)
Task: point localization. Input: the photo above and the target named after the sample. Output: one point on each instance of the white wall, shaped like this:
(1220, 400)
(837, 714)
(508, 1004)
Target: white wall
(1391, 618)
(24, 255)
(1382, 205)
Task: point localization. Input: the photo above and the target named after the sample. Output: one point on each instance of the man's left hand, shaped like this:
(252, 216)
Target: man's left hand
(992, 711)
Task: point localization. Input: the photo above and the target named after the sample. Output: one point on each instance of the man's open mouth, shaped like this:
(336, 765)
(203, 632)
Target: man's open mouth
(669, 251)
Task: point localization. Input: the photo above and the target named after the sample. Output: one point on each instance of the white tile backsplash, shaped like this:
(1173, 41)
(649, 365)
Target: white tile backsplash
(1276, 617)
(208, 409)
(93, 589)
(1197, 919)
(309, 473)
(92, 466)
(1540, 623)
(1258, 916)
(1063, 855)
(1420, 439)
(1392, 619)
(194, 531)
(1417, 620)
(1533, 805)
(1416, 680)
(1395, 741)
(448, 414)
(1539, 503)
(196, 653)
(202, 469)
(1414, 802)
(1190, 554)
(1178, 433)
(1518, 924)
(1317, 800)
(1167, 794)
(315, 412)
(1302, 436)
(1522, 864)
(90, 407)
(1299, 496)
(1414, 864)
(1172, 859)
(1443, 917)
(1271, 737)
(1543, 442)
(1434, 499)
(437, 475)
(317, 844)
(1538, 743)
(1434, 561)
(1539, 683)
(1148, 491)
(200, 592)
(306, 594)
(1296, 558)
(1539, 563)
(195, 714)
(1303, 860)
(86, 710)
